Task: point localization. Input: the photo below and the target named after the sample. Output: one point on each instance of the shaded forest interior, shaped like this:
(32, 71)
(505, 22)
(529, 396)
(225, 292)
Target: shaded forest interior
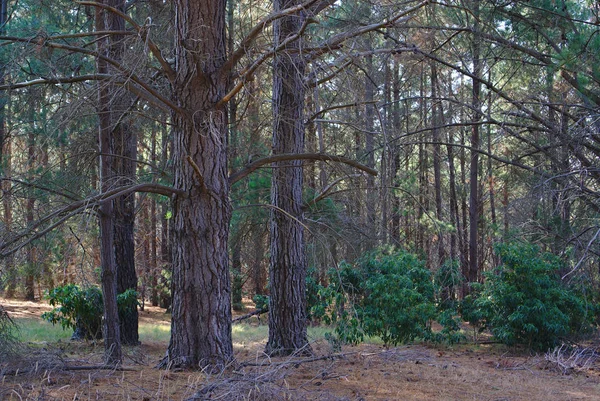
(205, 152)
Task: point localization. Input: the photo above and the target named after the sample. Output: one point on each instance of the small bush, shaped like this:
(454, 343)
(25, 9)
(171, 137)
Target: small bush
(524, 302)
(82, 309)
(387, 293)
(78, 309)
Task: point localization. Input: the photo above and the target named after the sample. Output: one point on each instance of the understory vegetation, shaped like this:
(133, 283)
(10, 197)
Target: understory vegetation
(389, 293)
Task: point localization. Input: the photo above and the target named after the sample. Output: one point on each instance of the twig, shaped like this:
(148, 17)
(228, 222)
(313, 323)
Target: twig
(249, 315)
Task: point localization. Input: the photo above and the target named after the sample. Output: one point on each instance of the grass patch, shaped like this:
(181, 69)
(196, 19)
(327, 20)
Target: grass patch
(159, 333)
(37, 330)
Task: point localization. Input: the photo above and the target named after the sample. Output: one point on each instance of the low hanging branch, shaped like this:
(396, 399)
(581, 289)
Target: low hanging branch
(60, 216)
(255, 165)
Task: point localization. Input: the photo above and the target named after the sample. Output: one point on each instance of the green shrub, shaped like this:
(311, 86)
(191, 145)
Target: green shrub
(261, 302)
(81, 309)
(387, 293)
(78, 309)
(524, 302)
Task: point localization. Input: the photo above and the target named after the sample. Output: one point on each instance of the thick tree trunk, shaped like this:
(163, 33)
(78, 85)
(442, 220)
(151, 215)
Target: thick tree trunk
(287, 310)
(201, 322)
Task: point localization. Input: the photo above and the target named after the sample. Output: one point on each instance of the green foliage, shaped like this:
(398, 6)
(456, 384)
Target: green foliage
(77, 308)
(524, 302)
(81, 309)
(387, 293)
(261, 301)
(447, 281)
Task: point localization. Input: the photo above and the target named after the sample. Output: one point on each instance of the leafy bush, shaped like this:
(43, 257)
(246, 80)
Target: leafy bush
(387, 293)
(524, 302)
(82, 309)
(78, 309)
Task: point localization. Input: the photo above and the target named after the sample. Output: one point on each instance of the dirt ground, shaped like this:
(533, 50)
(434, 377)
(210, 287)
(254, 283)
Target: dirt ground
(69, 371)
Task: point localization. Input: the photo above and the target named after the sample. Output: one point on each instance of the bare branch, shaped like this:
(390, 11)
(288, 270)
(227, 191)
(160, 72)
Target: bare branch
(337, 40)
(255, 165)
(327, 190)
(129, 74)
(75, 208)
(338, 106)
(257, 30)
(142, 32)
(248, 72)
(57, 80)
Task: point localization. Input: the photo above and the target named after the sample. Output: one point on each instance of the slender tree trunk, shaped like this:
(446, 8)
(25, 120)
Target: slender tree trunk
(396, 215)
(201, 322)
(111, 331)
(125, 148)
(5, 165)
(29, 217)
(437, 156)
(259, 270)
(371, 226)
(474, 207)
(287, 309)
(236, 274)
(164, 297)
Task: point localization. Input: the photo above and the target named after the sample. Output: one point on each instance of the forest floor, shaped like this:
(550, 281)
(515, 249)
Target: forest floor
(68, 370)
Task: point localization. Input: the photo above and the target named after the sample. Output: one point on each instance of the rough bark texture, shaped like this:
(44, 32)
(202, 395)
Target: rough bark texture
(124, 166)
(474, 174)
(111, 332)
(201, 323)
(287, 310)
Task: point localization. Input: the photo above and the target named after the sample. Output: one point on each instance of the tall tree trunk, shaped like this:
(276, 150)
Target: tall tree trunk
(30, 204)
(396, 215)
(111, 331)
(125, 149)
(436, 119)
(371, 226)
(287, 309)
(259, 270)
(5, 166)
(201, 310)
(474, 173)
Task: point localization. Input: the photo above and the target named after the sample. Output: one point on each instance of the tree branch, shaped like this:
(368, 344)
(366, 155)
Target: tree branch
(143, 34)
(257, 30)
(337, 40)
(57, 80)
(129, 74)
(77, 207)
(255, 165)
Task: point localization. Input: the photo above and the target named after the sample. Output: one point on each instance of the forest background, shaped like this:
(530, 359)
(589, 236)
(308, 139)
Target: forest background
(204, 152)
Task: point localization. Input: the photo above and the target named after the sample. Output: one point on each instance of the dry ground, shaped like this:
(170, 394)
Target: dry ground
(367, 372)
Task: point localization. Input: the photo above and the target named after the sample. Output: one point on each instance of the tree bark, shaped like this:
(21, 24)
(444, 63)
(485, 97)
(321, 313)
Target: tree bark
(287, 309)
(201, 322)
(436, 118)
(111, 331)
(30, 204)
(474, 173)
